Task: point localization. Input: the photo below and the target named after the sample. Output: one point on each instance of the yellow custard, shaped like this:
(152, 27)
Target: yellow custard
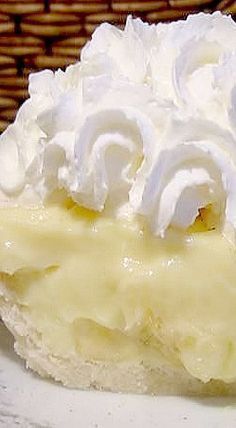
(109, 290)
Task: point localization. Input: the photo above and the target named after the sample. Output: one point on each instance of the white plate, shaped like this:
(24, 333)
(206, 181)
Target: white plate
(29, 402)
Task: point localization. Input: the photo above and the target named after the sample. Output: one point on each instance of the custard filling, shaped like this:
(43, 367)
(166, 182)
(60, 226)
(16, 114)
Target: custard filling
(108, 290)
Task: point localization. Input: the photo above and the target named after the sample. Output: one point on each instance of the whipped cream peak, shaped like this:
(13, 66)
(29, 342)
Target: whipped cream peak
(109, 149)
(144, 123)
(196, 169)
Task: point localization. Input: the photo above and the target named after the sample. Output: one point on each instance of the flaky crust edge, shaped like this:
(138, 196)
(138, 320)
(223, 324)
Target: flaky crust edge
(76, 372)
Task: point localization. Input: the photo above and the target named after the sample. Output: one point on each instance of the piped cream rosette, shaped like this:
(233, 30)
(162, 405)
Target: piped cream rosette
(144, 124)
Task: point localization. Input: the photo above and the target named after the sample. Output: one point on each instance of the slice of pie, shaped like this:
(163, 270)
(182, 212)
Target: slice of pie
(118, 212)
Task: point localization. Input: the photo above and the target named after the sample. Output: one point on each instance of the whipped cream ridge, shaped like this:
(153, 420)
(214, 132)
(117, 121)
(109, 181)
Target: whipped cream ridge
(144, 124)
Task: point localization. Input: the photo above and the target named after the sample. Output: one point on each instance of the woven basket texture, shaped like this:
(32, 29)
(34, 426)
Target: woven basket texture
(37, 34)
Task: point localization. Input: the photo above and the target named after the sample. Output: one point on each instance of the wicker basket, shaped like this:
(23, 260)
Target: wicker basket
(36, 34)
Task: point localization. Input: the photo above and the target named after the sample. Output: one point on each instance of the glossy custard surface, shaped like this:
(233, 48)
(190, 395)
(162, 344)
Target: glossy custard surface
(109, 290)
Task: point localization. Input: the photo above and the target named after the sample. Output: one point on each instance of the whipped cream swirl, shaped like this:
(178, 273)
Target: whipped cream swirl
(144, 124)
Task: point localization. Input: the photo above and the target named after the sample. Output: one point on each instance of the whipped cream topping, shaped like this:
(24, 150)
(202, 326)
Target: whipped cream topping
(144, 124)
